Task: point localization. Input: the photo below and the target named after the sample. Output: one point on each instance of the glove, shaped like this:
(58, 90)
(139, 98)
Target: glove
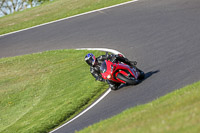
(99, 79)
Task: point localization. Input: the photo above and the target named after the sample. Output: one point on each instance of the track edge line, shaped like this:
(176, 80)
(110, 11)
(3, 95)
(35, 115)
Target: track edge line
(69, 17)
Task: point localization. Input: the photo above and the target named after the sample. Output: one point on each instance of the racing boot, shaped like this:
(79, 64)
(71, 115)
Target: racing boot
(133, 63)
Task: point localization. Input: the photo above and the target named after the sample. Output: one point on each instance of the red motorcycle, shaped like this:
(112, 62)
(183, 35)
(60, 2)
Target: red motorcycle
(120, 73)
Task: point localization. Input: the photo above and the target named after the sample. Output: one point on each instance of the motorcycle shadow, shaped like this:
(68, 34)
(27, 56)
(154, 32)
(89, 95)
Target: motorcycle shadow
(147, 75)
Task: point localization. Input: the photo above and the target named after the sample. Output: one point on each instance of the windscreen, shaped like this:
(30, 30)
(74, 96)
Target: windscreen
(103, 67)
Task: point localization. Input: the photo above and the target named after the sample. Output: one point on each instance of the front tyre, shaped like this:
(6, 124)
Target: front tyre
(128, 80)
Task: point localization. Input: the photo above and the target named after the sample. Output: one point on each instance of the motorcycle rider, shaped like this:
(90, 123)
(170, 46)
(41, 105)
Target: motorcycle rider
(95, 64)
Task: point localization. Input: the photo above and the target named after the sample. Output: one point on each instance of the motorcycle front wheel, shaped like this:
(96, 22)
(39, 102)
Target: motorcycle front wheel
(128, 80)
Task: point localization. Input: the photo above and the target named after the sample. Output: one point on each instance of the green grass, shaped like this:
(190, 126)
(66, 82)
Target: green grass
(40, 91)
(50, 11)
(177, 112)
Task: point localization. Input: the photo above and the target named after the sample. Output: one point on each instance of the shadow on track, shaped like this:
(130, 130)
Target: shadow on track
(149, 74)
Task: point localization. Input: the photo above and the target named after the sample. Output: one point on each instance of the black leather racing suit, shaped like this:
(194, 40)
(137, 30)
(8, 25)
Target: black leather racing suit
(95, 70)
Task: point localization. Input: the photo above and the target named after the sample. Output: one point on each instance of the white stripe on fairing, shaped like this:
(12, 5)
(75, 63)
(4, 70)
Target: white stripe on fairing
(104, 95)
(70, 17)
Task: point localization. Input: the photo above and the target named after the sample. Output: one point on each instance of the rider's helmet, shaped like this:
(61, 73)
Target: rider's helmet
(90, 59)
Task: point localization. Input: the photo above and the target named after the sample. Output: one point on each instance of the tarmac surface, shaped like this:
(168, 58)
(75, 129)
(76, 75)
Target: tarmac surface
(163, 36)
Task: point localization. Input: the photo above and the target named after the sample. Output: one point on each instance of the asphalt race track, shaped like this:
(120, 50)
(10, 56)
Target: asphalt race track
(162, 35)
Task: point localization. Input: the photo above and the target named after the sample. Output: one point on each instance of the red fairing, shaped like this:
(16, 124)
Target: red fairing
(109, 70)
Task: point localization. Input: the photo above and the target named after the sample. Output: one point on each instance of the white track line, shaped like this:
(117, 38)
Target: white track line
(104, 95)
(102, 49)
(70, 17)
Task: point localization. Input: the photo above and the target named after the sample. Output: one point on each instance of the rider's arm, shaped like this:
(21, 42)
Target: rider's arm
(96, 74)
(102, 58)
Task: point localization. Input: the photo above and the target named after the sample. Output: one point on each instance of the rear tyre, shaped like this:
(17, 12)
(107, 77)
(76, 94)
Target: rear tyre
(142, 74)
(128, 80)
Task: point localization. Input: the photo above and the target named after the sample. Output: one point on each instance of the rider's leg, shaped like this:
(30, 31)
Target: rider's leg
(126, 61)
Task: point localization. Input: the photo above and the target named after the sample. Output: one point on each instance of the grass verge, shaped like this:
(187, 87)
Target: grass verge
(50, 11)
(40, 91)
(176, 112)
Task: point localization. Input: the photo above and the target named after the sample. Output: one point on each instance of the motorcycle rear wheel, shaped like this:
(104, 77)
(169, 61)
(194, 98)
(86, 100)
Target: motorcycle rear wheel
(142, 74)
(128, 80)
